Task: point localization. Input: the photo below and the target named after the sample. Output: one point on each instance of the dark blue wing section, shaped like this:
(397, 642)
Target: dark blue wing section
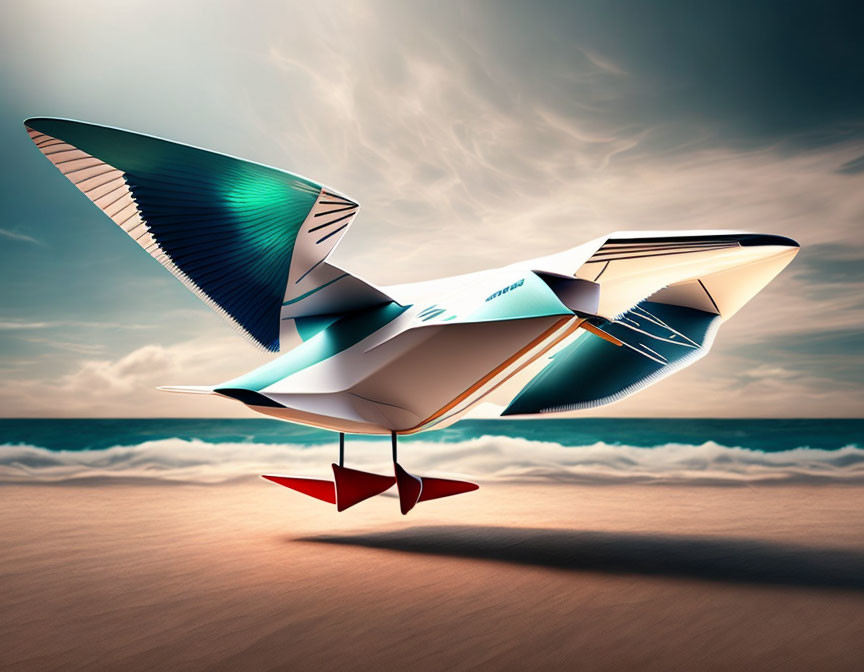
(658, 339)
(224, 226)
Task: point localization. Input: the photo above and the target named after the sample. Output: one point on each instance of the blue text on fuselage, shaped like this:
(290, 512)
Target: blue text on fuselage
(506, 289)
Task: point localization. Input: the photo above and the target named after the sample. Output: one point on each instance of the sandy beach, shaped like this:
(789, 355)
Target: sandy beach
(253, 577)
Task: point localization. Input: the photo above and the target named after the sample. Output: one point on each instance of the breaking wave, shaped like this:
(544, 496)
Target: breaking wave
(486, 458)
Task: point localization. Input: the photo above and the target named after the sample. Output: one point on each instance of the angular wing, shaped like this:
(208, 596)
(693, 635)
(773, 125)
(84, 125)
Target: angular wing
(662, 297)
(249, 240)
(721, 270)
(646, 344)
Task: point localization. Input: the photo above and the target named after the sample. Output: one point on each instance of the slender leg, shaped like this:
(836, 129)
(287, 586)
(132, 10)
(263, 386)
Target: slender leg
(353, 485)
(414, 489)
(410, 486)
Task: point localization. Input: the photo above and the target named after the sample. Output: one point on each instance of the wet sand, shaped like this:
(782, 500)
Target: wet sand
(253, 577)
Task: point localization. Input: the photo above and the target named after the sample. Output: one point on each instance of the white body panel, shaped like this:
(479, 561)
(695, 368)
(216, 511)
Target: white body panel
(419, 372)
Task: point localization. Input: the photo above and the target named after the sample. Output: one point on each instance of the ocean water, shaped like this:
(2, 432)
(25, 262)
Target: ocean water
(584, 450)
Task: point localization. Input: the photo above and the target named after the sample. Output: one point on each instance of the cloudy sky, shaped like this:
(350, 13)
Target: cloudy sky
(474, 135)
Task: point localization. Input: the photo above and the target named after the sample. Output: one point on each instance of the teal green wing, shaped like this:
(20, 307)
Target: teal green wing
(649, 342)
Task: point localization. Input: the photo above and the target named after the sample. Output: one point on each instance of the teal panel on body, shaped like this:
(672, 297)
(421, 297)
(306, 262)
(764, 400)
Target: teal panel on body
(307, 327)
(227, 224)
(332, 340)
(524, 298)
(591, 371)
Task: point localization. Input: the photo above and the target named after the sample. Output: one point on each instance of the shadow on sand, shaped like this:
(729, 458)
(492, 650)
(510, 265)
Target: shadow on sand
(709, 558)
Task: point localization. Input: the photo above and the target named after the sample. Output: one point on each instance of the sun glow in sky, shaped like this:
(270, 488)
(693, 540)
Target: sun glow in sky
(473, 135)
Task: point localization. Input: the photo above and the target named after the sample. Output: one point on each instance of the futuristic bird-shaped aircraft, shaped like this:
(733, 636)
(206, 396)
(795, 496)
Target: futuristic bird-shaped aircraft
(574, 330)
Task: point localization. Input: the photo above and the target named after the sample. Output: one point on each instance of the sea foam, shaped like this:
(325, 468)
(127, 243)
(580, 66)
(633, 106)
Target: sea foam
(485, 458)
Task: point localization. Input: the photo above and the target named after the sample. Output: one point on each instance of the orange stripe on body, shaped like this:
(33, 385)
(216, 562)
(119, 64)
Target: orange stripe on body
(498, 369)
(602, 334)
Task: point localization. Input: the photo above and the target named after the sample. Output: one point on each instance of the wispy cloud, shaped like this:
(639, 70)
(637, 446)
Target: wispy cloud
(16, 325)
(125, 386)
(21, 324)
(19, 237)
(852, 167)
(69, 346)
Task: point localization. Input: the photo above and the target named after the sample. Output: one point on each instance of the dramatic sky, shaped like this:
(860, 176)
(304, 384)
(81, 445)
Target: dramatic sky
(473, 134)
